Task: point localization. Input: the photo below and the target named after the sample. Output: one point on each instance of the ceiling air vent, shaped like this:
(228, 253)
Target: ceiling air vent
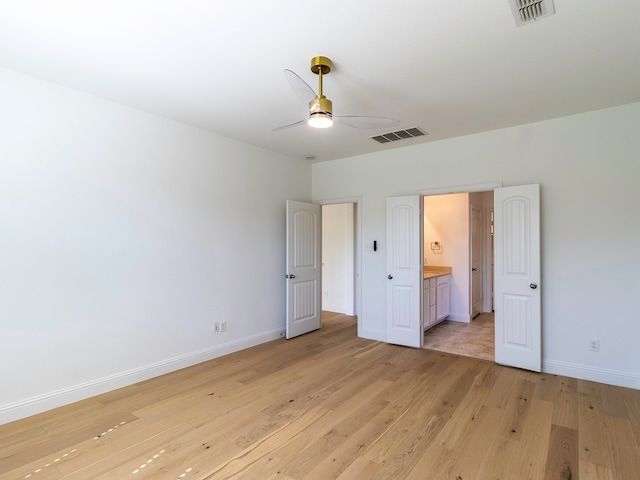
(399, 135)
(525, 11)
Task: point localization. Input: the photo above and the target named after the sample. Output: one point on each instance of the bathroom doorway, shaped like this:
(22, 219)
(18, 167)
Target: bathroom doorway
(458, 234)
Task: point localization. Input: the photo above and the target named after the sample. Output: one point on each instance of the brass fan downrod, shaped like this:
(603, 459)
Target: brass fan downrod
(320, 108)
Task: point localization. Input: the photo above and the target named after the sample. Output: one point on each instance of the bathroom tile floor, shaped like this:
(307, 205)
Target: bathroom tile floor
(475, 339)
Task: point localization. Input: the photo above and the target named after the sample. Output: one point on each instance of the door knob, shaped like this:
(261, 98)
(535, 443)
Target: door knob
(290, 276)
(533, 286)
(390, 277)
(474, 269)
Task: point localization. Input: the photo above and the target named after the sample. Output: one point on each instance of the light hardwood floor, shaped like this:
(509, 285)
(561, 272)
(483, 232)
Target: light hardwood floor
(329, 405)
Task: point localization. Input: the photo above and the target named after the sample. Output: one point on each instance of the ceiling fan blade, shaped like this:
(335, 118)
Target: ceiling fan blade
(367, 122)
(289, 125)
(301, 88)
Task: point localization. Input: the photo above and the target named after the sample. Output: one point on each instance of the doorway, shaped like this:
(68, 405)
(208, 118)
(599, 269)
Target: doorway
(518, 320)
(305, 264)
(456, 237)
(339, 258)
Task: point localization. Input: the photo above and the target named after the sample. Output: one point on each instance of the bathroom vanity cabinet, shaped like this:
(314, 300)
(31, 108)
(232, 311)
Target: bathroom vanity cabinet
(435, 298)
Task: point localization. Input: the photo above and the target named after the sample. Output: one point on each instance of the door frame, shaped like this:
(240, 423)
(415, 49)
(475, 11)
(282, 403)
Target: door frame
(488, 260)
(477, 238)
(347, 275)
(470, 188)
(357, 219)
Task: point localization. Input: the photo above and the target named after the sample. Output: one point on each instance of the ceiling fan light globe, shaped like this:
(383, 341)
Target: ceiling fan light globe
(320, 120)
(320, 112)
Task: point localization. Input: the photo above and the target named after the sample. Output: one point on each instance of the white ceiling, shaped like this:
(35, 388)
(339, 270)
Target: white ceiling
(450, 67)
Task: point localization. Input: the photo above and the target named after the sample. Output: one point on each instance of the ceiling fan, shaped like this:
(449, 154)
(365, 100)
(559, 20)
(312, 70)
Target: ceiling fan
(321, 108)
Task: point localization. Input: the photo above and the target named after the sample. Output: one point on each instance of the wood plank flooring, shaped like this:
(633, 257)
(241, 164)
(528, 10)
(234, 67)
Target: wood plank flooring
(329, 405)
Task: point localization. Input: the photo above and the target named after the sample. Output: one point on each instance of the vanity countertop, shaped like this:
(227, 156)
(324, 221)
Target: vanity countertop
(431, 271)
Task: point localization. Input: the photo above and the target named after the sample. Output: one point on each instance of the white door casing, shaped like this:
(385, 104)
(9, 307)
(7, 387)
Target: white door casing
(404, 271)
(303, 267)
(487, 297)
(518, 330)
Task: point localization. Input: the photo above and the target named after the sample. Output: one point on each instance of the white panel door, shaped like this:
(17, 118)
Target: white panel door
(304, 244)
(404, 271)
(517, 277)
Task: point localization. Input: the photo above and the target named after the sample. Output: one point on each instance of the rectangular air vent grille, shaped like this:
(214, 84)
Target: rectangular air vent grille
(399, 135)
(525, 11)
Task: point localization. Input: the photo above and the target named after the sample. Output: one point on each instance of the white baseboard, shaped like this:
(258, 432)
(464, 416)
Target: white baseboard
(585, 372)
(41, 403)
(332, 307)
(459, 317)
(31, 406)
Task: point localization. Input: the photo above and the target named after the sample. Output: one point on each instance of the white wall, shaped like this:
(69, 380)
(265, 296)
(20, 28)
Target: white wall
(446, 220)
(123, 237)
(588, 169)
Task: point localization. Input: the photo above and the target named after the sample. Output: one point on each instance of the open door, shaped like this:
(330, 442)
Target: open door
(476, 261)
(518, 324)
(404, 271)
(304, 242)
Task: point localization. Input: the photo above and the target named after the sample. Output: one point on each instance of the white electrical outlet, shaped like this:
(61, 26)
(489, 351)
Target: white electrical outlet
(594, 345)
(216, 327)
(223, 326)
